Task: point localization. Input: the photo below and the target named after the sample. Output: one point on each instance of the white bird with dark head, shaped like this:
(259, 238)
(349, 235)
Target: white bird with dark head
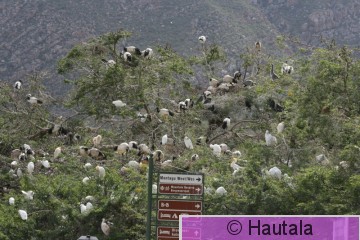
(226, 123)
(147, 53)
(122, 149)
(202, 39)
(127, 57)
(286, 68)
(133, 50)
(33, 100)
(18, 85)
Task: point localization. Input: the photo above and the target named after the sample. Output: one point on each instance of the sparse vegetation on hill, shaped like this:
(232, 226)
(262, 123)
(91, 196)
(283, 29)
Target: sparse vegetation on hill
(307, 162)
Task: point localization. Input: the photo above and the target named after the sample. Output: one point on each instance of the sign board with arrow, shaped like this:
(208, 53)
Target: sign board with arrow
(174, 215)
(180, 178)
(181, 189)
(180, 205)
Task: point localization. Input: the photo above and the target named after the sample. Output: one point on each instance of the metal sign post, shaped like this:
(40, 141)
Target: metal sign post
(149, 207)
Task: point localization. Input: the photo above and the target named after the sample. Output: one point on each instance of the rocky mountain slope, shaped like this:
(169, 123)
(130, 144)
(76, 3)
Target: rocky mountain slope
(35, 34)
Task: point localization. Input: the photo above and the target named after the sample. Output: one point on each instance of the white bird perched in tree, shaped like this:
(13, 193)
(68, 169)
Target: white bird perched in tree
(220, 191)
(158, 156)
(119, 103)
(127, 57)
(109, 63)
(224, 148)
(122, 148)
(45, 163)
(166, 163)
(286, 68)
(142, 117)
(235, 166)
(226, 123)
(182, 106)
(19, 173)
(83, 209)
(344, 164)
(164, 112)
(154, 189)
(105, 227)
(30, 167)
(23, 214)
(134, 164)
(132, 49)
(89, 206)
(202, 39)
(11, 201)
(189, 103)
(270, 139)
(101, 172)
(33, 100)
(236, 153)
(87, 166)
(57, 152)
(29, 195)
(143, 149)
(89, 198)
(97, 140)
(96, 154)
(195, 157)
(22, 157)
(322, 159)
(133, 145)
(229, 79)
(216, 149)
(147, 53)
(275, 172)
(18, 85)
(85, 180)
(214, 82)
(84, 151)
(164, 139)
(188, 143)
(280, 127)
(14, 164)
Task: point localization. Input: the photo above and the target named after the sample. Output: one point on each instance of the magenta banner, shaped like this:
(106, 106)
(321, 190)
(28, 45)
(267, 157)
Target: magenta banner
(269, 227)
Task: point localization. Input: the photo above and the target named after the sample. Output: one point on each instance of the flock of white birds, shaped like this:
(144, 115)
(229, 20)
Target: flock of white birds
(25, 152)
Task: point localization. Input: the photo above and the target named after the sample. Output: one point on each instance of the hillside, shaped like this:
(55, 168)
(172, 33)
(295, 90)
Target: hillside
(35, 34)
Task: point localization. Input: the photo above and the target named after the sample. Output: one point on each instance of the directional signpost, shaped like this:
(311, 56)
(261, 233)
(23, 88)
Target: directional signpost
(174, 185)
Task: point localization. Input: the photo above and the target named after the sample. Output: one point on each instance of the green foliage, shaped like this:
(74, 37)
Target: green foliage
(321, 117)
